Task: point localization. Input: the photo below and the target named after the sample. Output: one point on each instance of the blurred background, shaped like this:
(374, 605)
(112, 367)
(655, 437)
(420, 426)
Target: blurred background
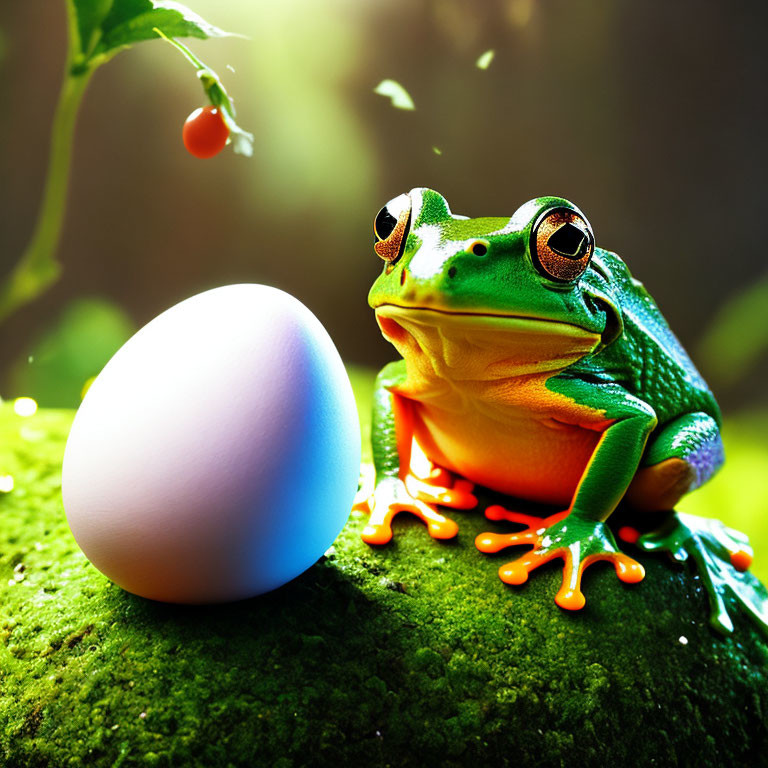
(651, 116)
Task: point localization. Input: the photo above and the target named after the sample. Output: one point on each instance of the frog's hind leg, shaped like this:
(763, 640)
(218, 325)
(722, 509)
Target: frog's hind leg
(685, 454)
(712, 547)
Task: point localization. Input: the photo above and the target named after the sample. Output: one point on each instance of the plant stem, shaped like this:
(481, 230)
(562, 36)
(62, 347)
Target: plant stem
(38, 269)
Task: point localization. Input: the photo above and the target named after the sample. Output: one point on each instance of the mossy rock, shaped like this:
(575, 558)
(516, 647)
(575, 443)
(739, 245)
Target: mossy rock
(413, 654)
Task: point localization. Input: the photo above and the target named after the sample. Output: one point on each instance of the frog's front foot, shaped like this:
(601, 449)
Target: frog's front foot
(576, 541)
(393, 495)
(440, 487)
(722, 556)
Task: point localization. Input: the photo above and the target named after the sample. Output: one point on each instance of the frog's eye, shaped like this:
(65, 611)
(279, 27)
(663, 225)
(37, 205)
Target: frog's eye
(562, 244)
(390, 228)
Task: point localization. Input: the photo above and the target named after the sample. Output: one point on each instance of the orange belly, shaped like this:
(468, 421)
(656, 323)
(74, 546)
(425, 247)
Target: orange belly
(514, 436)
(538, 460)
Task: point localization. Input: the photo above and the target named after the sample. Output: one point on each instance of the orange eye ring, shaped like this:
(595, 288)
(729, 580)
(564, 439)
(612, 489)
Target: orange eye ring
(562, 244)
(390, 228)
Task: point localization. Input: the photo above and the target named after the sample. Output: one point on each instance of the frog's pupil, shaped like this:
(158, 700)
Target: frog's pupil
(569, 241)
(384, 224)
(479, 249)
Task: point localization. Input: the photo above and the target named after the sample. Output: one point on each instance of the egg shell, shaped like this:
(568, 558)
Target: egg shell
(216, 456)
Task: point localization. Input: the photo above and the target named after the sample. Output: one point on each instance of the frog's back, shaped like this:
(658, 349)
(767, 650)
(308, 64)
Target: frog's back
(647, 358)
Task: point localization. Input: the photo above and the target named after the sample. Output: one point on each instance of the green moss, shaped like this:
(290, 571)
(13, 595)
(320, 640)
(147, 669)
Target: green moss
(413, 654)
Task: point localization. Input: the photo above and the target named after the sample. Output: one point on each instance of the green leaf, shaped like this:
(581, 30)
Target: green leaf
(131, 21)
(88, 16)
(73, 349)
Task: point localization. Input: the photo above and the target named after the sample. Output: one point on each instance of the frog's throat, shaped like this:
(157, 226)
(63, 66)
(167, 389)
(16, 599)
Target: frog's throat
(466, 346)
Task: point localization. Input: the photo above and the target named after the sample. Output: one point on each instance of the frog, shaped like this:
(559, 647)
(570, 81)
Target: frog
(534, 365)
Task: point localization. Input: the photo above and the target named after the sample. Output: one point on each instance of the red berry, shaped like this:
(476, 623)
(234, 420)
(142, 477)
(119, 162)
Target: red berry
(741, 560)
(205, 133)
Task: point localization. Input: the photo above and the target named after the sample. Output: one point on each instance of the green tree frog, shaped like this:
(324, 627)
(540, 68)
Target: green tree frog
(535, 365)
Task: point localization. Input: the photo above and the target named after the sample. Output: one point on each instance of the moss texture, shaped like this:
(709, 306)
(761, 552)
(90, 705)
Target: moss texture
(414, 654)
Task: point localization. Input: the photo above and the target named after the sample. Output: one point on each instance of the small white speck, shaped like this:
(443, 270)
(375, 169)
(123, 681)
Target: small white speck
(143, 715)
(330, 551)
(115, 727)
(683, 640)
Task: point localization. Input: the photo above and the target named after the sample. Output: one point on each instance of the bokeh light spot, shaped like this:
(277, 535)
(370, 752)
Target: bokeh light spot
(24, 406)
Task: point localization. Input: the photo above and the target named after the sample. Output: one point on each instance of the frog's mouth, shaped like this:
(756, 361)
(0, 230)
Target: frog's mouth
(480, 346)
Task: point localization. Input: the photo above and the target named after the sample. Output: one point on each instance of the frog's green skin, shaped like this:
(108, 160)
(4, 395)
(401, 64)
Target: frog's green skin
(570, 392)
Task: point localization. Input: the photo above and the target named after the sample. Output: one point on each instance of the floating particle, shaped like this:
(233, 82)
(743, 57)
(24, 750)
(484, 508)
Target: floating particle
(485, 59)
(400, 98)
(437, 150)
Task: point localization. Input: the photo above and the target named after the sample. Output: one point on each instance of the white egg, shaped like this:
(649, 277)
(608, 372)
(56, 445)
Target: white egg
(216, 456)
